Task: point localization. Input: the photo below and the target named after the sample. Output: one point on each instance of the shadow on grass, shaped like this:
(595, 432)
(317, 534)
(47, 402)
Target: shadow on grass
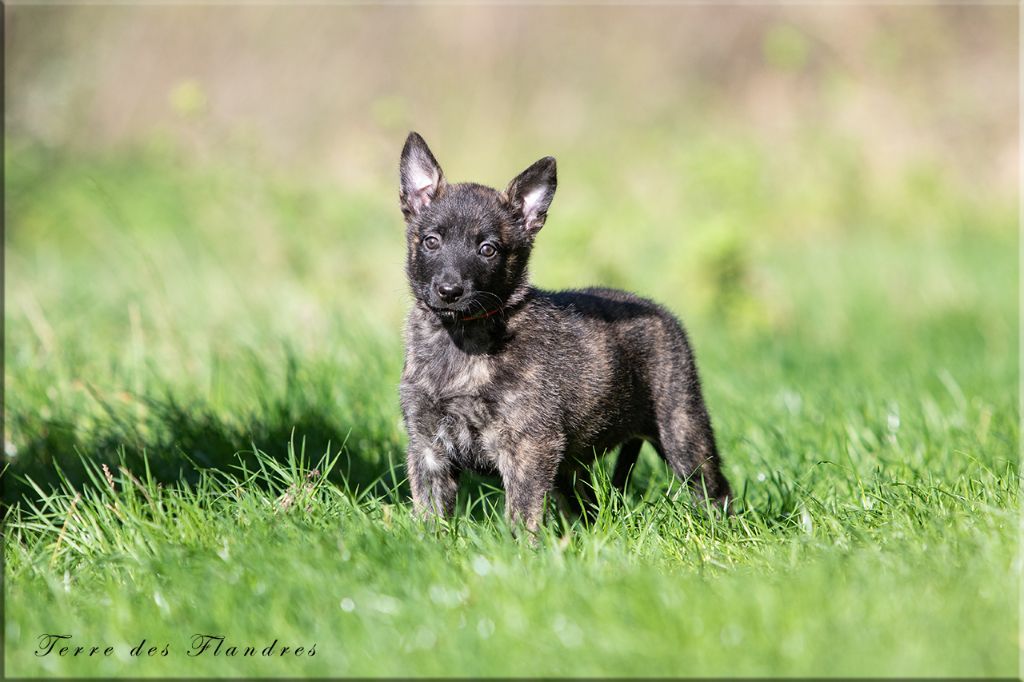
(177, 441)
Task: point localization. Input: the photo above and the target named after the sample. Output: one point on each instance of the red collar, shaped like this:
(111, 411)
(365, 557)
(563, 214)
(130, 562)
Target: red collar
(480, 316)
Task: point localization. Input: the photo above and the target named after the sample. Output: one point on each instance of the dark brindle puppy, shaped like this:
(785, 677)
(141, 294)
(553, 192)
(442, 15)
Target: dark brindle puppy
(502, 377)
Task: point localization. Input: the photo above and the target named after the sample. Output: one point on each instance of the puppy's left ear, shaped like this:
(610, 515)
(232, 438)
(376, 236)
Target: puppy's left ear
(531, 192)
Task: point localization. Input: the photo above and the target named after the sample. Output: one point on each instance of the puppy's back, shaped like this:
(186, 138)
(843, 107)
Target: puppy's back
(638, 324)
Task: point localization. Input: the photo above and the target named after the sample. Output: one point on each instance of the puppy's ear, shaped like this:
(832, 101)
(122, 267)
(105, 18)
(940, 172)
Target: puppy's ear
(531, 192)
(421, 178)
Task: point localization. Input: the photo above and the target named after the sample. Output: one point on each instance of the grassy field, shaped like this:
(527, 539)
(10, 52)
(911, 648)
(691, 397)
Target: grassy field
(225, 339)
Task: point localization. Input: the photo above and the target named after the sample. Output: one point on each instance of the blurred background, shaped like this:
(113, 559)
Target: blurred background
(204, 247)
(330, 90)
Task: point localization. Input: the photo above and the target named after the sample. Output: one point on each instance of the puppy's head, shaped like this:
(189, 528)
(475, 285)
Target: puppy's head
(468, 244)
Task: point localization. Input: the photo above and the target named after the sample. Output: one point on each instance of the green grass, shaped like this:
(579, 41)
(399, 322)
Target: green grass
(227, 342)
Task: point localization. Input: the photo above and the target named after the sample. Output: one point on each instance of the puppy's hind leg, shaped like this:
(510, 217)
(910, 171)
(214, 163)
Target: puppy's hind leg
(629, 453)
(574, 493)
(687, 442)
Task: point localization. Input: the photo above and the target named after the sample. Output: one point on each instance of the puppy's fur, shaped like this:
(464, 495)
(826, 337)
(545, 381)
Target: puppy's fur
(504, 378)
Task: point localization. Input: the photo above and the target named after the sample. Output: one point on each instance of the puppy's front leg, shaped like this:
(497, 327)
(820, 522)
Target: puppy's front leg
(528, 473)
(433, 479)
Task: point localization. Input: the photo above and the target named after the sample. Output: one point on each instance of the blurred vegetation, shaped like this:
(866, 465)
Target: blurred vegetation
(203, 271)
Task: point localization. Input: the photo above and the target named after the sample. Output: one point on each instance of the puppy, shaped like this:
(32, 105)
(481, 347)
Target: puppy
(501, 377)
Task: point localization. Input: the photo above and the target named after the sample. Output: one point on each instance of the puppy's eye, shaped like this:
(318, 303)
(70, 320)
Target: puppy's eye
(431, 242)
(487, 250)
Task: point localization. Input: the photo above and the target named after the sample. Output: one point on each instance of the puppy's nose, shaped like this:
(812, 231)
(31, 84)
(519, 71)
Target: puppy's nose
(449, 293)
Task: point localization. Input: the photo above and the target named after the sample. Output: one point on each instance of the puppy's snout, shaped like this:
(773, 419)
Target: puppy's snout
(449, 293)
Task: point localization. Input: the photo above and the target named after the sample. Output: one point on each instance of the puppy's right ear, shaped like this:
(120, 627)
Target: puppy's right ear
(421, 178)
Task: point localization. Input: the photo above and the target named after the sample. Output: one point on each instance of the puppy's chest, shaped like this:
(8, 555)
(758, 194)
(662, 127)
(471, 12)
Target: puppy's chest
(460, 419)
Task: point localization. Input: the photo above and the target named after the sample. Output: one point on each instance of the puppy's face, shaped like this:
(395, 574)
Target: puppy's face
(468, 244)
